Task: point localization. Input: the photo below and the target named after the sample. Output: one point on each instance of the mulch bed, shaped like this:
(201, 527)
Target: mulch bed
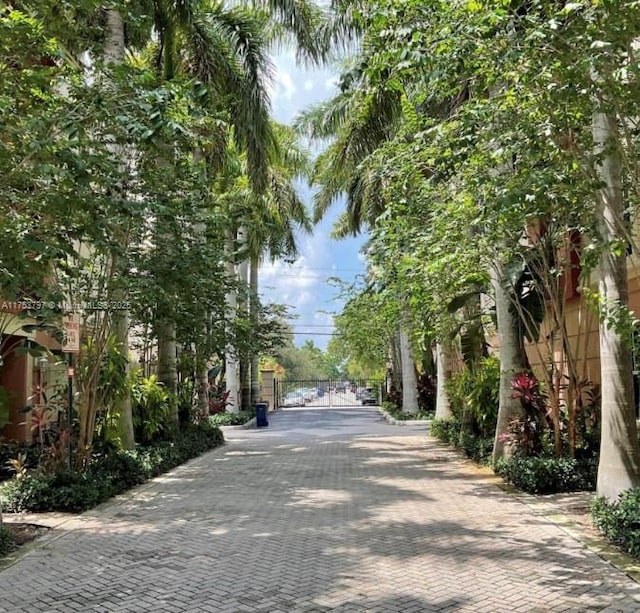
(22, 533)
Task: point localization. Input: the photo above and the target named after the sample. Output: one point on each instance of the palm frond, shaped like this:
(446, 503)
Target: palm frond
(228, 53)
(325, 119)
(306, 22)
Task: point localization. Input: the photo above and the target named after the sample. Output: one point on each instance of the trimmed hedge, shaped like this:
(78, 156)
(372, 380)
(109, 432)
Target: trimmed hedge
(449, 431)
(446, 430)
(231, 419)
(397, 413)
(107, 475)
(619, 521)
(548, 475)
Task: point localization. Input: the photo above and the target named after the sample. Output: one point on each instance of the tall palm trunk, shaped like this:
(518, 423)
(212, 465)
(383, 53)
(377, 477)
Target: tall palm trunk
(231, 300)
(443, 364)
(619, 467)
(202, 382)
(512, 360)
(396, 362)
(114, 50)
(409, 380)
(243, 307)
(114, 41)
(123, 406)
(165, 326)
(201, 365)
(253, 313)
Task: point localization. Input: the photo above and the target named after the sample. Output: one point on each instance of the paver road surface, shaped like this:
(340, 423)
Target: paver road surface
(326, 510)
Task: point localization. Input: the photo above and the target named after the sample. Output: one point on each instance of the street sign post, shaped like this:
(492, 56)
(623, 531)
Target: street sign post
(71, 346)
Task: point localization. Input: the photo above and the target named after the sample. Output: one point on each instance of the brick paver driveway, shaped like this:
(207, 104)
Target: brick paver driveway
(327, 510)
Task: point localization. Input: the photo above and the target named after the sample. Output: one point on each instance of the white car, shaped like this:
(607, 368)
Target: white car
(307, 394)
(293, 399)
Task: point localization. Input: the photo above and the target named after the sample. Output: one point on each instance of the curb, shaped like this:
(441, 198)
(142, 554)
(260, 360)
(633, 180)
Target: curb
(595, 543)
(245, 426)
(403, 422)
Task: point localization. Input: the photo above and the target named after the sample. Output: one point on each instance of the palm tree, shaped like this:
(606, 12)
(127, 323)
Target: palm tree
(361, 118)
(619, 466)
(272, 220)
(225, 48)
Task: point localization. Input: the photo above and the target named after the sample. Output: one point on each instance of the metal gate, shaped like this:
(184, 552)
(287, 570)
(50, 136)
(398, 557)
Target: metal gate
(328, 393)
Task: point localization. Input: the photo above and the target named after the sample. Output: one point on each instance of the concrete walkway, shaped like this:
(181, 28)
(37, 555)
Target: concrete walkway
(326, 510)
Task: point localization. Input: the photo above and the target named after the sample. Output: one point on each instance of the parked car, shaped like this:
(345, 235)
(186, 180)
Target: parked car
(359, 391)
(341, 387)
(293, 399)
(307, 394)
(368, 396)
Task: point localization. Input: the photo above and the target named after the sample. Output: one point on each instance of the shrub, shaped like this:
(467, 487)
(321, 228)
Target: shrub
(153, 409)
(426, 393)
(548, 475)
(477, 448)
(619, 521)
(446, 430)
(106, 475)
(6, 541)
(10, 451)
(398, 413)
(474, 396)
(231, 419)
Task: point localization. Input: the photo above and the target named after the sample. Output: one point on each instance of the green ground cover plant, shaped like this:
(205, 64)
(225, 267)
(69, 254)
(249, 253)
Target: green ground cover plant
(231, 419)
(398, 413)
(619, 520)
(106, 475)
(548, 475)
(450, 432)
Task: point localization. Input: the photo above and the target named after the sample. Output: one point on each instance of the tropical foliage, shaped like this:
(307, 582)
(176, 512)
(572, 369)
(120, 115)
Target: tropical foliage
(136, 142)
(489, 150)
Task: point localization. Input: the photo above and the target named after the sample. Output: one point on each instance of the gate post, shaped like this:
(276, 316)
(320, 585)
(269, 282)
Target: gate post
(268, 388)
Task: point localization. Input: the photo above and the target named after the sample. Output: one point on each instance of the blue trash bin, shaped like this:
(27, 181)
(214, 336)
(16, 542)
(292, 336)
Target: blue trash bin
(261, 414)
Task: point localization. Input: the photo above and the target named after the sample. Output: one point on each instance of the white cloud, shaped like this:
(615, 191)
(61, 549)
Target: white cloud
(303, 284)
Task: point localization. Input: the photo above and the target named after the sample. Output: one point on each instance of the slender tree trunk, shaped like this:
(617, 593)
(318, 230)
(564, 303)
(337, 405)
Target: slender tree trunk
(253, 312)
(202, 359)
(619, 467)
(167, 363)
(396, 362)
(243, 307)
(203, 385)
(231, 299)
(114, 50)
(443, 364)
(409, 381)
(123, 406)
(165, 326)
(114, 41)
(512, 361)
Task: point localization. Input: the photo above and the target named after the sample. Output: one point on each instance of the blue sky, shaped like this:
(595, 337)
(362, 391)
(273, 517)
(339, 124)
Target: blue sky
(303, 285)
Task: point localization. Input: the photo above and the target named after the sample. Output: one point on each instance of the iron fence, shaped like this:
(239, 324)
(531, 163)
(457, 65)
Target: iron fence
(328, 393)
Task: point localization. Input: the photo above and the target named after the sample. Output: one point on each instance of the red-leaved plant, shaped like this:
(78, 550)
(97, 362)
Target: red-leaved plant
(525, 434)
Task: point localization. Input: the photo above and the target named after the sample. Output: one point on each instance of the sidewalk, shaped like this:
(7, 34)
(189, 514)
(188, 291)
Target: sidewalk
(327, 510)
